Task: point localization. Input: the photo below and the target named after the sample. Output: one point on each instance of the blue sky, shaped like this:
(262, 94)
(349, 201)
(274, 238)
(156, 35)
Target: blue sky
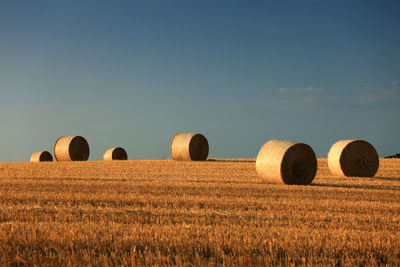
(132, 73)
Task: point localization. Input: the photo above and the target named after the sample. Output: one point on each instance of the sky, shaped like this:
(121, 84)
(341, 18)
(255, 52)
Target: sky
(132, 73)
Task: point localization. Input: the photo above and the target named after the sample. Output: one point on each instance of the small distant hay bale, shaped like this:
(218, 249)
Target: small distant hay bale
(115, 153)
(189, 146)
(71, 148)
(288, 162)
(353, 158)
(41, 156)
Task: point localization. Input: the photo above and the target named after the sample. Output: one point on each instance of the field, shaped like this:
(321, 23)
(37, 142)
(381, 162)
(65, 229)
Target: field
(218, 212)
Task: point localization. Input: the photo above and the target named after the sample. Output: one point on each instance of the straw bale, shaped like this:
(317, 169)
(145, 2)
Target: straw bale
(115, 153)
(288, 162)
(353, 158)
(189, 146)
(41, 156)
(71, 148)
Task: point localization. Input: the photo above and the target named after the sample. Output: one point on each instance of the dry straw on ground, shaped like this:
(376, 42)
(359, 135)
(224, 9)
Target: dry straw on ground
(71, 148)
(353, 158)
(217, 213)
(115, 153)
(287, 162)
(189, 146)
(41, 156)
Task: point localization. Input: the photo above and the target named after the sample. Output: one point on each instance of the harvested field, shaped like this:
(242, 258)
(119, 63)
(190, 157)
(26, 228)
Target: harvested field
(194, 213)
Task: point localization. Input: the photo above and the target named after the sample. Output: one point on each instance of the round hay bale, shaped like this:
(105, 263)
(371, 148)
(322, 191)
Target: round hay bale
(353, 158)
(41, 156)
(189, 146)
(115, 153)
(288, 162)
(71, 148)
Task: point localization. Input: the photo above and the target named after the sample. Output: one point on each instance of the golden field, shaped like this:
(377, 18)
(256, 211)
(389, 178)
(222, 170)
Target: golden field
(218, 212)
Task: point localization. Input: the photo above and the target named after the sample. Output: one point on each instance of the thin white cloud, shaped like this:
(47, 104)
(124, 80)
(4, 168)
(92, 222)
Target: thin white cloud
(368, 98)
(308, 89)
(389, 92)
(314, 100)
(312, 89)
(394, 83)
(372, 94)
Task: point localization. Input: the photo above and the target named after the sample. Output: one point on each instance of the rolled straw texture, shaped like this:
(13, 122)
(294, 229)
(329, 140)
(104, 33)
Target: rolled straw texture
(189, 146)
(286, 162)
(353, 158)
(115, 153)
(71, 148)
(41, 156)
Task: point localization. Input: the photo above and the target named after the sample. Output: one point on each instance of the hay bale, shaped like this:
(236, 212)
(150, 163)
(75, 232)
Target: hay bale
(288, 162)
(189, 146)
(353, 158)
(71, 148)
(115, 153)
(41, 156)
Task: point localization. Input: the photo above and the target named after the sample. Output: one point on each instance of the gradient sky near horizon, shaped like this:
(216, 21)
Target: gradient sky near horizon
(132, 73)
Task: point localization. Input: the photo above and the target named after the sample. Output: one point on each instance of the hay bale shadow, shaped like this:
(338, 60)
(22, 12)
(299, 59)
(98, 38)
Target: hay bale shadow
(353, 186)
(230, 160)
